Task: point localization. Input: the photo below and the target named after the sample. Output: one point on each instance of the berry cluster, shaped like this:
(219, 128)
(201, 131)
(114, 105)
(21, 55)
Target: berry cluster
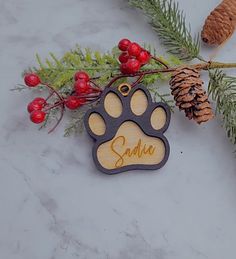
(35, 108)
(81, 88)
(82, 93)
(132, 57)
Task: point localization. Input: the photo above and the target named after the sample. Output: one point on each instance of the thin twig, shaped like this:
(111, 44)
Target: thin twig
(62, 105)
(50, 95)
(200, 66)
(96, 85)
(96, 99)
(54, 90)
(147, 72)
(160, 61)
(138, 80)
(59, 120)
(54, 106)
(88, 95)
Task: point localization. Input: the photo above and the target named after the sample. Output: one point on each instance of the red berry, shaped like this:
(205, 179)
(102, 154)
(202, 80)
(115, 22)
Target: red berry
(133, 66)
(40, 100)
(81, 75)
(90, 91)
(32, 80)
(37, 116)
(124, 68)
(144, 57)
(124, 57)
(34, 106)
(73, 102)
(82, 101)
(134, 49)
(124, 44)
(81, 87)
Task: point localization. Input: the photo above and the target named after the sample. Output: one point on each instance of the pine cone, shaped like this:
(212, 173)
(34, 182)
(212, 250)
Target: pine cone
(220, 24)
(187, 89)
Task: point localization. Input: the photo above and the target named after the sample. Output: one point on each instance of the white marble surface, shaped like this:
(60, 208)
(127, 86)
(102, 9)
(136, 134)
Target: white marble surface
(54, 204)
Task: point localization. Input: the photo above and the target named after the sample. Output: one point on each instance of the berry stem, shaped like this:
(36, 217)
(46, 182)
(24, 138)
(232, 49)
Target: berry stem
(92, 101)
(200, 66)
(54, 106)
(160, 61)
(50, 95)
(53, 90)
(59, 120)
(97, 87)
(141, 73)
(138, 80)
(89, 95)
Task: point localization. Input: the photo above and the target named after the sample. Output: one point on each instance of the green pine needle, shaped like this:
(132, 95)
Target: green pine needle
(222, 88)
(60, 72)
(76, 122)
(170, 24)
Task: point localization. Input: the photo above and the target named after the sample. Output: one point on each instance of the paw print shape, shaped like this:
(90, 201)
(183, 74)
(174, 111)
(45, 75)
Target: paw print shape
(128, 128)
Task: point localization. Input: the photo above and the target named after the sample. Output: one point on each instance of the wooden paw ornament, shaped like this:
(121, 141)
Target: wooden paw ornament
(220, 24)
(128, 128)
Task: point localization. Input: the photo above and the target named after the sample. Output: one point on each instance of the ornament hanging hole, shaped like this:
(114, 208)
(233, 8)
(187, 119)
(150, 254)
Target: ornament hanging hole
(124, 89)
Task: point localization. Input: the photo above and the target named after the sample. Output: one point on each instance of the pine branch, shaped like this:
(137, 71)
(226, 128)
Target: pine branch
(222, 88)
(102, 68)
(19, 87)
(76, 122)
(169, 22)
(60, 72)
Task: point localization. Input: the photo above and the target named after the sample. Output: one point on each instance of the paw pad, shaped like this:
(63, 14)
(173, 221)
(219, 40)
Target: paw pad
(128, 130)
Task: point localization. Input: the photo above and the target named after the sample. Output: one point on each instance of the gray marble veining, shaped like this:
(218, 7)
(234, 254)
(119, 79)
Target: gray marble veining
(54, 204)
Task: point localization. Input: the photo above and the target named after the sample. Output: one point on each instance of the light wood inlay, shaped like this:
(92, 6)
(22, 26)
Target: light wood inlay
(139, 102)
(97, 124)
(113, 105)
(130, 146)
(158, 118)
